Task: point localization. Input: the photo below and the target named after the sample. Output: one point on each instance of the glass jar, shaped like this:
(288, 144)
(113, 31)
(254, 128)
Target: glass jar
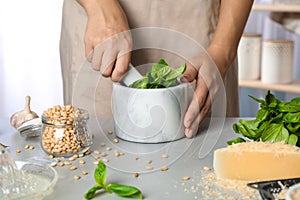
(65, 131)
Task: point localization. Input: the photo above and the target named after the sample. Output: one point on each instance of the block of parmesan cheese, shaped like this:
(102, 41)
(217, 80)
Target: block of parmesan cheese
(257, 161)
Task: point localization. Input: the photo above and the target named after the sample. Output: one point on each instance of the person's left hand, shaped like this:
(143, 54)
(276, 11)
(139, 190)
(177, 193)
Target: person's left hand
(209, 71)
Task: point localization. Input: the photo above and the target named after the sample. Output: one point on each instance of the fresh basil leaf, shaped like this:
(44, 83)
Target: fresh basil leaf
(257, 99)
(140, 83)
(295, 100)
(164, 71)
(91, 193)
(243, 128)
(277, 119)
(125, 190)
(170, 83)
(293, 128)
(288, 107)
(176, 73)
(275, 133)
(293, 139)
(271, 100)
(162, 62)
(154, 85)
(262, 114)
(291, 117)
(235, 141)
(100, 174)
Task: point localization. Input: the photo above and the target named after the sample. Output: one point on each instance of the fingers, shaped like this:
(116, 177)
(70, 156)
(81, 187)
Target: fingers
(190, 74)
(121, 66)
(198, 101)
(193, 128)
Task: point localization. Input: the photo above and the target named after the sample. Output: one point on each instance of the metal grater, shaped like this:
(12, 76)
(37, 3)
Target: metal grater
(268, 188)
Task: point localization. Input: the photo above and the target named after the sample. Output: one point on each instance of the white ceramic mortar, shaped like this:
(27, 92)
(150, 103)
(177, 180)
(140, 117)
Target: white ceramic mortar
(150, 115)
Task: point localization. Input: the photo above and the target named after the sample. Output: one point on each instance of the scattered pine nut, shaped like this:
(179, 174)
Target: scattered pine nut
(96, 157)
(54, 164)
(96, 152)
(149, 161)
(206, 168)
(26, 146)
(95, 162)
(110, 132)
(149, 168)
(51, 156)
(185, 178)
(81, 162)
(72, 158)
(164, 168)
(75, 156)
(117, 154)
(164, 156)
(121, 153)
(80, 155)
(76, 177)
(103, 144)
(67, 163)
(61, 164)
(18, 151)
(136, 158)
(88, 152)
(103, 154)
(84, 172)
(108, 148)
(73, 168)
(136, 174)
(31, 147)
(116, 140)
(105, 160)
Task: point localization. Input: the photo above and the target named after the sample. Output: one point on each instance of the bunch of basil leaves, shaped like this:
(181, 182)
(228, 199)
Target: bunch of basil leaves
(160, 76)
(276, 121)
(121, 190)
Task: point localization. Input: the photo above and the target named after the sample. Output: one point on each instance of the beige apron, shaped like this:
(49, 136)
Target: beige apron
(88, 89)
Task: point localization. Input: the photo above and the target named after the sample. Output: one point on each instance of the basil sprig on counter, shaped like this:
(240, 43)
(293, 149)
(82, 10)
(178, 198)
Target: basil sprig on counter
(121, 190)
(275, 121)
(160, 76)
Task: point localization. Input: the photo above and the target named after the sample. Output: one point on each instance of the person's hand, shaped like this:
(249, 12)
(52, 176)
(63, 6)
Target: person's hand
(209, 71)
(107, 39)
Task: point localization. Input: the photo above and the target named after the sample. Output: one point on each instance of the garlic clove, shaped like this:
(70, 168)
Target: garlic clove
(18, 118)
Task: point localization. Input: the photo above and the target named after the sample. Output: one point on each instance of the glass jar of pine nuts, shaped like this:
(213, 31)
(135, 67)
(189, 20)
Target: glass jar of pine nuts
(65, 131)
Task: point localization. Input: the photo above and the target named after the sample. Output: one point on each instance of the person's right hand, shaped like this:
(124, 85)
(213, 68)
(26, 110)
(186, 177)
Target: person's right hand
(107, 39)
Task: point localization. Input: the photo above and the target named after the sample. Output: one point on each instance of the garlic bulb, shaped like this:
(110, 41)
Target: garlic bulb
(22, 116)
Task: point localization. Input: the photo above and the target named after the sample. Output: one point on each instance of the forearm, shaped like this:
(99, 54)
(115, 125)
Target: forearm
(232, 20)
(108, 12)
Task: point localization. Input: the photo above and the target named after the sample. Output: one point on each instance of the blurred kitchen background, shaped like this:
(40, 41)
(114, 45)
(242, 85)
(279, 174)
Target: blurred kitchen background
(29, 51)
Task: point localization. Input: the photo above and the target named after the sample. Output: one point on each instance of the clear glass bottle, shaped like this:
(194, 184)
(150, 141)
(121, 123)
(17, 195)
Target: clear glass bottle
(65, 131)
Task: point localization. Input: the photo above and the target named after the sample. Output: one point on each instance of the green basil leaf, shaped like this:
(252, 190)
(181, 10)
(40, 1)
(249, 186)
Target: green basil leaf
(100, 174)
(246, 128)
(91, 193)
(176, 73)
(170, 83)
(293, 139)
(235, 141)
(140, 83)
(154, 85)
(288, 107)
(164, 71)
(262, 114)
(257, 100)
(295, 100)
(125, 190)
(162, 62)
(291, 117)
(293, 128)
(275, 133)
(271, 100)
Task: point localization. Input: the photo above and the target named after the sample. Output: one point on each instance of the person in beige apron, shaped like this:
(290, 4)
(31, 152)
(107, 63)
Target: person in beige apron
(216, 25)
